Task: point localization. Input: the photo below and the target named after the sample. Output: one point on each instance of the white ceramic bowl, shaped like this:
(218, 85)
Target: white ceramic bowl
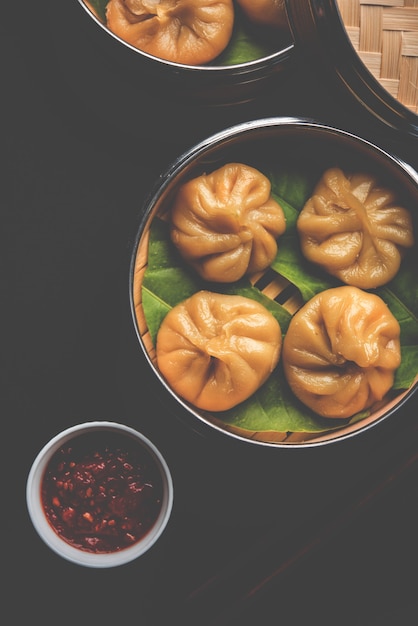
(44, 528)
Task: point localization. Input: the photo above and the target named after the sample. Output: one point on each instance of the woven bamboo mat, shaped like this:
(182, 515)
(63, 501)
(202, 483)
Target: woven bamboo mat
(385, 36)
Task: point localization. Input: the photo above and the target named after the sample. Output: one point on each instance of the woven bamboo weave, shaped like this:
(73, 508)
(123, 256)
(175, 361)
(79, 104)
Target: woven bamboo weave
(385, 36)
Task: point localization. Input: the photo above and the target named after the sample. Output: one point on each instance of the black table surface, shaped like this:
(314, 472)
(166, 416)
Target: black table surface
(329, 537)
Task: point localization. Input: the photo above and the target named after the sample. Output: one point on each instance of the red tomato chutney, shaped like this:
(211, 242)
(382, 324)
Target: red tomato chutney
(102, 492)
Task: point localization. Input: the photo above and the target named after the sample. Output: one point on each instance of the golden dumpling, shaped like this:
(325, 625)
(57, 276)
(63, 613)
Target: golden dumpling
(354, 229)
(216, 350)
(265, 12)
(341, 351)
(192, 32)
(225, 224)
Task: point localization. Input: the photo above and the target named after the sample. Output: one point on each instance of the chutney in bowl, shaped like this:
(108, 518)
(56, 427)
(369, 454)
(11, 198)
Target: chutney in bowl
(99, 494)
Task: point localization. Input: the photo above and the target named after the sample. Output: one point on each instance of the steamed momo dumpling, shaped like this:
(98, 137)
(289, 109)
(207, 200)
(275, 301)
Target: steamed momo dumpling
(193, 32)
(354, 229)
(216, 350)
(225, 224)
(266, 12)
(341, 351)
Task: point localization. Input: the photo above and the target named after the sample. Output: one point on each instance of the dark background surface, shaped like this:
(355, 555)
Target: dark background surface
(81, 149)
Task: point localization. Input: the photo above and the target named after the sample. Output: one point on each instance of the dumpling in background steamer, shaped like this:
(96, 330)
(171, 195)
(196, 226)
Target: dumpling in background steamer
(216, 350)
(341, 351)
(265, 12)
(193, 32)
(225, 224)
(354, 229)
